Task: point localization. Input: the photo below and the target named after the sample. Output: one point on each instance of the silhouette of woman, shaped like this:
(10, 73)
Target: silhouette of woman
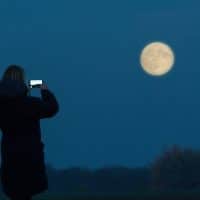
(23, 170)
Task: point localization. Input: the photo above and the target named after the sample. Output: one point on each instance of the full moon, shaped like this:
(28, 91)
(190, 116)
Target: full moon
(157, 58)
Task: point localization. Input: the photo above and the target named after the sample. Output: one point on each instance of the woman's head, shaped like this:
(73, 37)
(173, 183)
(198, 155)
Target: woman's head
(14, 72)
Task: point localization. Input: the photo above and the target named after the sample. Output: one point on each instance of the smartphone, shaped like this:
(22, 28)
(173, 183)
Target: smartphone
(35, 83)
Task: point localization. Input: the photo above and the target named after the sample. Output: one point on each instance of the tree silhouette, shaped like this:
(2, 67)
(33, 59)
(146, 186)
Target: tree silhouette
(176, 168)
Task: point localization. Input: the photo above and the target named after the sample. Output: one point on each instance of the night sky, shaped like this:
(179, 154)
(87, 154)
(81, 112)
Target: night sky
(87, 51)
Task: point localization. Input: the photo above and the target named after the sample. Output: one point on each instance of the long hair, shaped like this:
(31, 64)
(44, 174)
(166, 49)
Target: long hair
(15, 72)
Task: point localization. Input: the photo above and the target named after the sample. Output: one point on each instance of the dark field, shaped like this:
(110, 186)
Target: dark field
(142, 196)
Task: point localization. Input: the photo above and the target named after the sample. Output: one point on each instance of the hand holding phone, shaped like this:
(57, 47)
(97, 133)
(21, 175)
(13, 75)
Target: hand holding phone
(43, 86)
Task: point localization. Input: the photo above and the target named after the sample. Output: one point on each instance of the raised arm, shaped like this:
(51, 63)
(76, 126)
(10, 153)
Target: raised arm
(44, 107)
(49, 105)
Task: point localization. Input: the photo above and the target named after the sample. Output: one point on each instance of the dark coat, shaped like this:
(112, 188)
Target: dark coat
(22, 150)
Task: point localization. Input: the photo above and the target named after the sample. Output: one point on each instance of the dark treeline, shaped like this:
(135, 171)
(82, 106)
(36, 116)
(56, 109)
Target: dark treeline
(174, 169)
(110, 180)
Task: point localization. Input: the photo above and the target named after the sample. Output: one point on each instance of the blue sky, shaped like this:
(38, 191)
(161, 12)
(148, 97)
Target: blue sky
(111, 112)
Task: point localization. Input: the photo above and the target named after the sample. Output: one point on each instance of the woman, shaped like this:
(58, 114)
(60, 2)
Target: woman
(23, 172)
